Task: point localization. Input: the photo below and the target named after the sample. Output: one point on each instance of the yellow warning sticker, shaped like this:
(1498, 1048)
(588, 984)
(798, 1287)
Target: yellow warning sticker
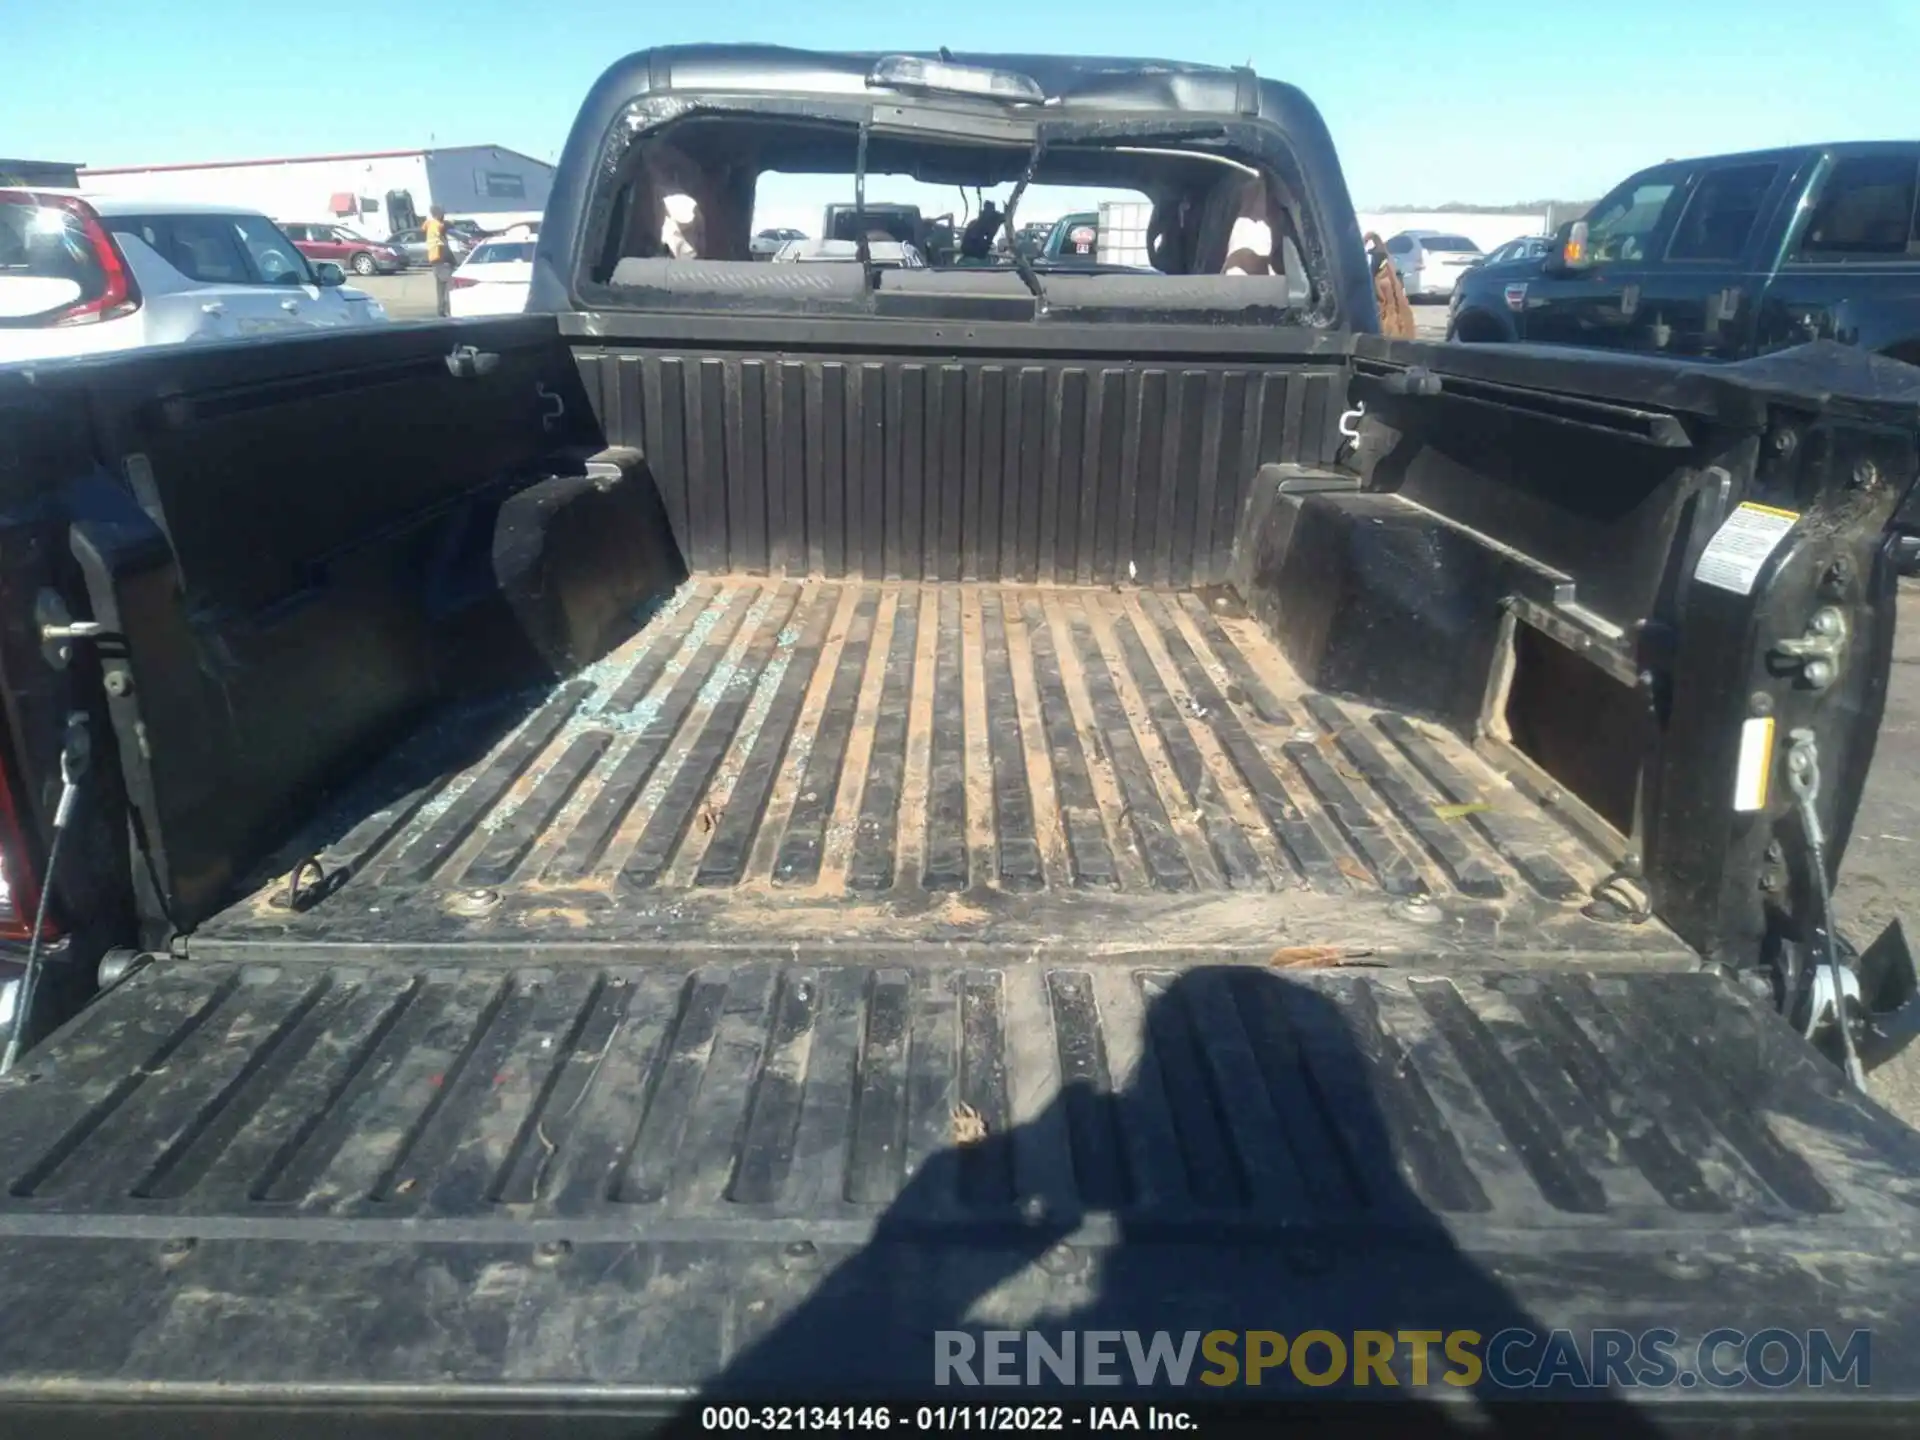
(1755, 767)
(1742, 545)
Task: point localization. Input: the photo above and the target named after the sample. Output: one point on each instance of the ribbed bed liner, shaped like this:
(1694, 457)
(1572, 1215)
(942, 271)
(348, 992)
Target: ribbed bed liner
(876, 762)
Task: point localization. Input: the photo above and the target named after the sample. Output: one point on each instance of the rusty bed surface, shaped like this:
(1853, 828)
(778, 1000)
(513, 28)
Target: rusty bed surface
(883, 762)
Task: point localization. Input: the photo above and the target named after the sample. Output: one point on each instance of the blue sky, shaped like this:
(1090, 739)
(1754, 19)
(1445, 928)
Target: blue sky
(1428, 100)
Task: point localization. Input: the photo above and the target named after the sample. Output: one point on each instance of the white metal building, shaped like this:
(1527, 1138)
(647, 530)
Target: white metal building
(376, 192)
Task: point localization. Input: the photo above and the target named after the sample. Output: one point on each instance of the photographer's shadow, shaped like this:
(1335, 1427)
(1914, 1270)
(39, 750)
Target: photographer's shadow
(1272, 1164)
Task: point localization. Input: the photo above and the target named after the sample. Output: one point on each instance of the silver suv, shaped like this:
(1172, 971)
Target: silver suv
(1431, 262)
(81, 274)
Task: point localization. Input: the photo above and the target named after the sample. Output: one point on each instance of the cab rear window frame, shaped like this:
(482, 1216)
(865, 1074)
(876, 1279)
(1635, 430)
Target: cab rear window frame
(1255, 139)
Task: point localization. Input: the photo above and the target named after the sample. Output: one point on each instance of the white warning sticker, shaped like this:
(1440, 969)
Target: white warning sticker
(1741, 545)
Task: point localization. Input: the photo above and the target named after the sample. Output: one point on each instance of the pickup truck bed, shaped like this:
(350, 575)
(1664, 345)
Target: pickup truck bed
(858, 764)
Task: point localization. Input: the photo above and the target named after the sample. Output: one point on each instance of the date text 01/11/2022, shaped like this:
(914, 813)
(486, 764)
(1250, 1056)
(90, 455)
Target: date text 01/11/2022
(942, 1419)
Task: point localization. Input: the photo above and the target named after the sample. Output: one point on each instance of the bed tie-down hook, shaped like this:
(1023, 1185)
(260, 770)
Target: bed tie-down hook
(552, 406)
(1835, 990)
(469, 362)
(58, 629)
(76, 750)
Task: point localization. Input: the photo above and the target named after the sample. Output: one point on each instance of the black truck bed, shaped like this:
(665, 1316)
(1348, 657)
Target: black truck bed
(378, 1192)
(768, 762)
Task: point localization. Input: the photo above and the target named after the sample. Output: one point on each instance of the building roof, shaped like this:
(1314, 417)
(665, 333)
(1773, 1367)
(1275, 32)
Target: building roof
(111, 205)
(307, 160)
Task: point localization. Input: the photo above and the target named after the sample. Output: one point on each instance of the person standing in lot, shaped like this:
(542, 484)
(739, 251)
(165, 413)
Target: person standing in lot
(439, 257)
(976, 241)
(1396, 311)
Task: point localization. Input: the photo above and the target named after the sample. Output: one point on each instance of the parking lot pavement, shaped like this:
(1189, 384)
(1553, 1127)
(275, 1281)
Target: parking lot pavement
(407, 296)
(1430, 321)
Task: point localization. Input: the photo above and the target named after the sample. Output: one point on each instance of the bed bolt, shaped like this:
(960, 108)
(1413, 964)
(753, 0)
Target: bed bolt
(1865, 473)
(118, 682)
(1783, 440)
(1760, 703)
(474, 902)
(173, 1251)
(796, 1253)
(1060, 1259)
(1417, 908)
(552, 1252)
(1772, 876)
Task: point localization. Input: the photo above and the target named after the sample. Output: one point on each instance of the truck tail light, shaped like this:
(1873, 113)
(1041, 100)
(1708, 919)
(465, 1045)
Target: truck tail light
(116, 293)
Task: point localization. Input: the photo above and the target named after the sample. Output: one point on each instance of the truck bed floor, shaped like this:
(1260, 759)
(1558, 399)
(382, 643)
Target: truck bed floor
(1107, 770)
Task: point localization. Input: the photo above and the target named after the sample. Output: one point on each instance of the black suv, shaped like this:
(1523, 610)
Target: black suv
(1725, 257)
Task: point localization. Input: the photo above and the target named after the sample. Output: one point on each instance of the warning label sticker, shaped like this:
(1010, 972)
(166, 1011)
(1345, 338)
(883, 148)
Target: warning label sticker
(1741, 545)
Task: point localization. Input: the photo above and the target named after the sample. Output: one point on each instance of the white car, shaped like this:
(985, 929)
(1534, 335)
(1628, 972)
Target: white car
(1527, 247)
(81, 274)
(1431, 262)
(493, 280)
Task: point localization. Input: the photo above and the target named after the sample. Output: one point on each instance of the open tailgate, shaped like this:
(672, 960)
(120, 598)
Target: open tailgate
(366, 1196)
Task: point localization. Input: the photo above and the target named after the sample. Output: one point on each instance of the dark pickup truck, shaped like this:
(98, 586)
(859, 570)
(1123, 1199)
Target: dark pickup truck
(1724, 258)
(747, 835)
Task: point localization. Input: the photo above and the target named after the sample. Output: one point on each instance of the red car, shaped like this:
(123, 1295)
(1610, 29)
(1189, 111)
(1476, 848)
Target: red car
(345, 249)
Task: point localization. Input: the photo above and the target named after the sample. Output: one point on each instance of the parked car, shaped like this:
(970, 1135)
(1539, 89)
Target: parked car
(885, 254)
(1430, 261)
(1725, 257)
(81, 273)
(1526, 247)
(345, 248)
(765, 243)
(412, 244)
(493, 280)
(1030, 237)
(903, 222)
(1074, 238)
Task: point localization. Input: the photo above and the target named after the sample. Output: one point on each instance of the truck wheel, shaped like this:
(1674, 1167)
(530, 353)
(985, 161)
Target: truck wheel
(1475, 329)
(363, 264)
